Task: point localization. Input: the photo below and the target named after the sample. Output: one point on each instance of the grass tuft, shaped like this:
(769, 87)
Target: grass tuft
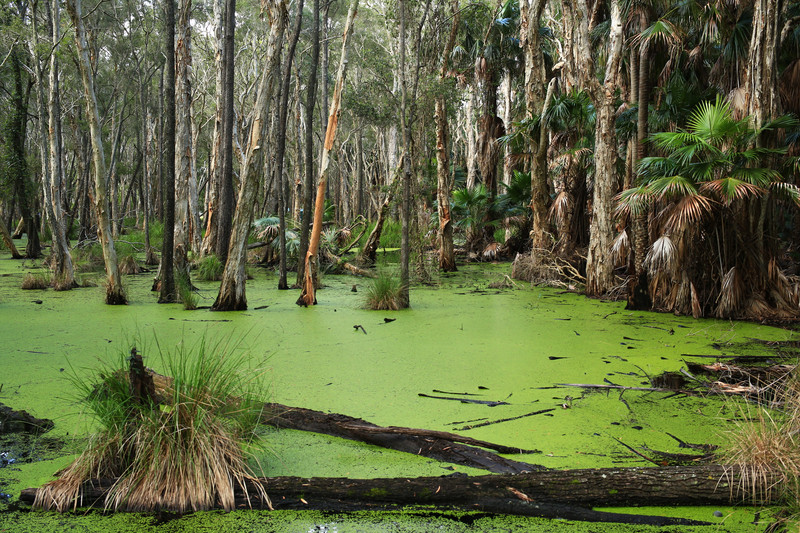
(182, 449)
(384, 292)
(210, 268)
(36, 281)
(766, 448)
(186, 292)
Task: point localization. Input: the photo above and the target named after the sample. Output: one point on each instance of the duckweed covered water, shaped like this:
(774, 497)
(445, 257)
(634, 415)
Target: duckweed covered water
(503, 345)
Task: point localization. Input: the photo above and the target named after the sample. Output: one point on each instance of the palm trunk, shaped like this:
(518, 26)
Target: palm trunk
(115, 294)
(231, 295)
(307, 296)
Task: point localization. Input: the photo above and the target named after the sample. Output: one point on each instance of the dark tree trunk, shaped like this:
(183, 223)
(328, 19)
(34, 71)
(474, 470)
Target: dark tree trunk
(16, 158)
(308, 184)
(167, 290)
(226, 199)
(283, 118)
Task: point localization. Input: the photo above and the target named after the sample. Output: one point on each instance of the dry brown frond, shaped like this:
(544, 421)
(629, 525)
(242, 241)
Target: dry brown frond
(731, 294)
(686, 211)
(697, 310)
(620, 248)
(661, 255)
(560, 207)
(490, 252)
(743, 190)
(738, 102)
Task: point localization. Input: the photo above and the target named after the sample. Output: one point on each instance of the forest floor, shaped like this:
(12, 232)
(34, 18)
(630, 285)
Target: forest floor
(510, 345)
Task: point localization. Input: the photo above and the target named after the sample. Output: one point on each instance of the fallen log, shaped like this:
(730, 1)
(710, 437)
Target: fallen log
(439, 445)
(606, 487)
(12, 421)
(353, 269)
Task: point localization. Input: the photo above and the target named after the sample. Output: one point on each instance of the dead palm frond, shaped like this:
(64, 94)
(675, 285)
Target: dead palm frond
(561, 205)
(697, 310)
(620, 248)
(661, 256)
(732, 293)
(687, 211)
(790, 87)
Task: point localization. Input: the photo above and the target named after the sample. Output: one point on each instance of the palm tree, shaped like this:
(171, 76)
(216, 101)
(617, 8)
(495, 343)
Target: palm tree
(470, 210)
(705, 191)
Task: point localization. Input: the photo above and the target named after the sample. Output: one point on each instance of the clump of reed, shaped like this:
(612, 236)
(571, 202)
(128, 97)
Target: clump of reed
(765, 447)
(36, 281)
(209, 268)
(179, 448)
(384, 293)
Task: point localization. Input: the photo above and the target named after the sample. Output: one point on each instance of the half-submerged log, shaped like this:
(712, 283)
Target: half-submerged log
(565, 489)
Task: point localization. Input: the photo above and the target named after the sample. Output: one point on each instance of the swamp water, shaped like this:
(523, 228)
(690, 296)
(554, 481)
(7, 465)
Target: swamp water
(506, 345)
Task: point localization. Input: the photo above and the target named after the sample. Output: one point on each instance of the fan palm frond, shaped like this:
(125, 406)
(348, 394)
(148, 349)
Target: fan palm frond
(672, 187)
(730, 189)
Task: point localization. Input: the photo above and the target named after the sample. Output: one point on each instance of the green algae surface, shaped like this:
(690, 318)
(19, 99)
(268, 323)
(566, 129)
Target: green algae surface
(507, 347)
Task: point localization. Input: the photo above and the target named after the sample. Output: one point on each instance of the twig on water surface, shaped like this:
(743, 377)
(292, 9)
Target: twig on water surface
(490, 422)
(638, 453)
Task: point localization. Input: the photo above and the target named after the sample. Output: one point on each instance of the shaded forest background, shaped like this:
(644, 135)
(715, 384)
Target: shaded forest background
(645, 150)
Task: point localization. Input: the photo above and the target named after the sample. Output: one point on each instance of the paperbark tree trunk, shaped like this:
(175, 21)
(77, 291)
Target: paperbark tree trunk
(226, 198)
(307, 296)
(52, 154)
(231, 296)
(761, 84)
(535, 103)
(184, 226)
(280, 150)
(115, 294)
(599, 266)
(444, 179)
